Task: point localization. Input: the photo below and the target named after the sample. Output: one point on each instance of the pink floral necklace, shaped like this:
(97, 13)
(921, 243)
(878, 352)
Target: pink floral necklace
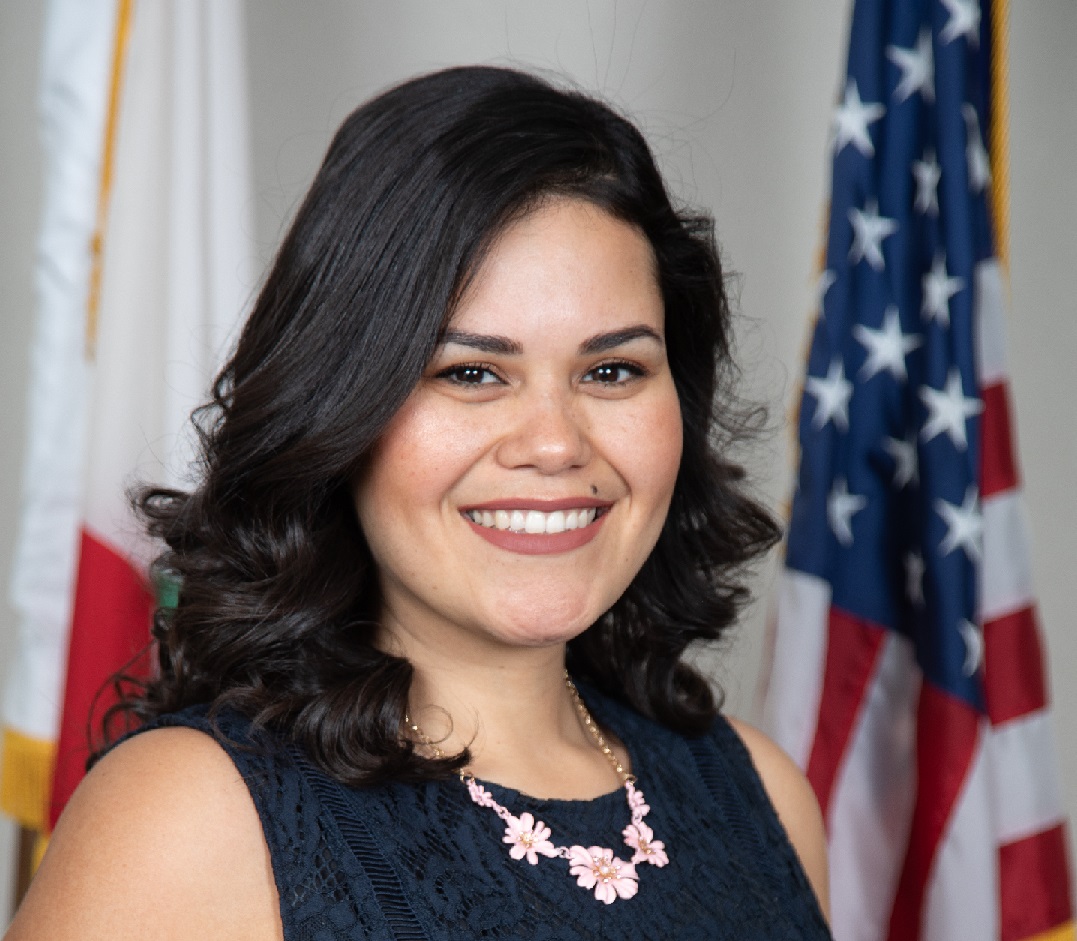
(595, 867)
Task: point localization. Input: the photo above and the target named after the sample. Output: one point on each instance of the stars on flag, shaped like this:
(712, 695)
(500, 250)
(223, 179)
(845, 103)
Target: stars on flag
(938, 288)
(927, 173)
(824, 284)
(949, 409)
(869, 230)
(964, 525)
(832, 395)
(974, 646)
(887, 348)
(964, 21)
(906, 460)
(979, 162)
(917, 68)
(851, 120)
(841, 507)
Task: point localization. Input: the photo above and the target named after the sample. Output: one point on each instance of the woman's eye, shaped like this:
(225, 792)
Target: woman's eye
(613, 373)
(469, 374)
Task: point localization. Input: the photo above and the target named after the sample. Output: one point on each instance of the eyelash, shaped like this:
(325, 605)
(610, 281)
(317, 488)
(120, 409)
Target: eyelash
(634, 370)
(455, 373)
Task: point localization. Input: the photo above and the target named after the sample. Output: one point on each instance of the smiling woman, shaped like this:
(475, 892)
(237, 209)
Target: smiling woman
(464, 505)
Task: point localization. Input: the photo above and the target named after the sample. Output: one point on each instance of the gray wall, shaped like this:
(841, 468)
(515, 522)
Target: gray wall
(736, 97)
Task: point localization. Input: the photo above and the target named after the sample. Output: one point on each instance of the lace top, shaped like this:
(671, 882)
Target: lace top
(423, 862)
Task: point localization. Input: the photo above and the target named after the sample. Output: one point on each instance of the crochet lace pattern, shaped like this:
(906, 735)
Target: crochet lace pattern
(411, 862)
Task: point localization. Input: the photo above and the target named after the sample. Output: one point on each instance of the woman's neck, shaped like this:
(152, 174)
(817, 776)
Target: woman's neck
(514, 711)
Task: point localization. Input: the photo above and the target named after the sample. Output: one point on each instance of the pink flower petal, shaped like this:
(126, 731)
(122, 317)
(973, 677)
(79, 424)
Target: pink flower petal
(579, 856)
(625, 888)
(585, 876)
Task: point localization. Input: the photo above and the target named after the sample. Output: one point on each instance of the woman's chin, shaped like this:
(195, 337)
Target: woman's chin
(544, 625)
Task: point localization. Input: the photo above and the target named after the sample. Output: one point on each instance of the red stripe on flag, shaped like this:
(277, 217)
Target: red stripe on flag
(947, 730)
(109, 627)
(1034, 885)
(998, 467)
(1014, 680)
(853, 646)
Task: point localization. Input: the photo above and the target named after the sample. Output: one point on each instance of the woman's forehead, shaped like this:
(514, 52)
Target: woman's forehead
(564, 265)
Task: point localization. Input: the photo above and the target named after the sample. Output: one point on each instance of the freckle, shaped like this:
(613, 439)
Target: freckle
(594, 490)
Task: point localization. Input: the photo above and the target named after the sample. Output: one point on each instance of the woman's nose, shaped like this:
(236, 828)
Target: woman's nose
(549, 434)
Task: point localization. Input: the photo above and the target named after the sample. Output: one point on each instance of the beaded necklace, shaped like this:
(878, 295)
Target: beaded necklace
(595, 867)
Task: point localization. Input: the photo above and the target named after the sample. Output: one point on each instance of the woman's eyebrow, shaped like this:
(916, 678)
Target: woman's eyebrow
(504, 346)
(482, 342)
(603, 342)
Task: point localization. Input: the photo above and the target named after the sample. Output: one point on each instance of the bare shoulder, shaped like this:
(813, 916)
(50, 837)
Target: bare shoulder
(160, 840)
(795, 803)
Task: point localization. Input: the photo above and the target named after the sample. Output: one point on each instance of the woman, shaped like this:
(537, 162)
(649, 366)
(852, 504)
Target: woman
(470, 438)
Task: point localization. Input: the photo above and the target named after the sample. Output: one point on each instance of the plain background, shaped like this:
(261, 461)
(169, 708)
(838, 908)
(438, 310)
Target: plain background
(735, 96)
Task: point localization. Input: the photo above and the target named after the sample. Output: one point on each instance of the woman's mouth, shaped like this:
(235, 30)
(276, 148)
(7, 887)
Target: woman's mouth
(521, 527)
(535, 522)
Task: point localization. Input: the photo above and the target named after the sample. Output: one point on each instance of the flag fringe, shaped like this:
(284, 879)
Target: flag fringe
(26, 768)
(998, 144)
(1064, 932)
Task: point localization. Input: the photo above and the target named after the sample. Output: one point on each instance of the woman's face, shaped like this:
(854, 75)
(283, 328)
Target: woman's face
(525, 481)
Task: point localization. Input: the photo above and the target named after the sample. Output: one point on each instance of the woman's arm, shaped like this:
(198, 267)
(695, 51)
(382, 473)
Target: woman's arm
(161, 840)
(795, 802)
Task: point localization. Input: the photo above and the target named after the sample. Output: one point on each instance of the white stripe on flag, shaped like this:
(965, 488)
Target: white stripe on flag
(1006, 578)
(1028, 798)
(873, 798)
(990, 320)
(792, 708)
(956, 907)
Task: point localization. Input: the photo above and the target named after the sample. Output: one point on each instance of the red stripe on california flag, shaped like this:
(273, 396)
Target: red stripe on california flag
(1014, 681)
(998, 466)
(853, 646)
(1034, 885)
(947, 734)
(109, 627)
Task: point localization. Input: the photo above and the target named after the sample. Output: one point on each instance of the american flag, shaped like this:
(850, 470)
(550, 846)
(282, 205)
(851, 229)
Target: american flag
(908, 676)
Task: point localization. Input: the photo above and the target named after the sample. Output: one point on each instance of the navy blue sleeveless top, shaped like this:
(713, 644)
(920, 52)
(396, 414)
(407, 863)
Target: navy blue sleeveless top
(411, 862)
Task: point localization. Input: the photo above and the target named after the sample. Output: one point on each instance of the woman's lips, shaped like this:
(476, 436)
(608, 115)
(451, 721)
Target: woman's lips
(537, 527)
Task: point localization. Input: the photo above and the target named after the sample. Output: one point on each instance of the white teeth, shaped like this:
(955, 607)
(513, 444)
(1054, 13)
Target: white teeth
(534, 522)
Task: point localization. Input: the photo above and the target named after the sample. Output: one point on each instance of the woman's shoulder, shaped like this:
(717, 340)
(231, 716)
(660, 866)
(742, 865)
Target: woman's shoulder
(793, 800)
(162, 839)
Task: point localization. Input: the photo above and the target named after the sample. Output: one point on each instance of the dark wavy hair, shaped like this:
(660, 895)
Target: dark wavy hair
(278, 597)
